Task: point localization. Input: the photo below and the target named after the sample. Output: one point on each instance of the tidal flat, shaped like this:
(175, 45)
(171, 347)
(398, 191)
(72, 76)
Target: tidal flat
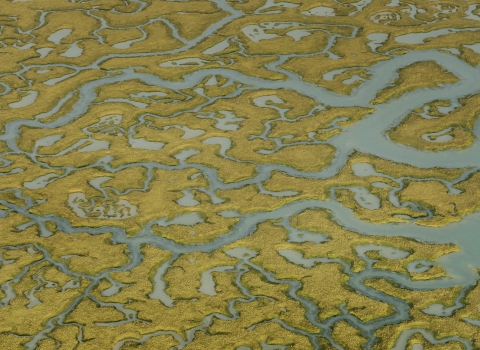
(244, 175)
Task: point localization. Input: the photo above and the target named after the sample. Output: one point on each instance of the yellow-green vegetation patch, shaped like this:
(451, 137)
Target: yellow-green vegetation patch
(424, 74)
